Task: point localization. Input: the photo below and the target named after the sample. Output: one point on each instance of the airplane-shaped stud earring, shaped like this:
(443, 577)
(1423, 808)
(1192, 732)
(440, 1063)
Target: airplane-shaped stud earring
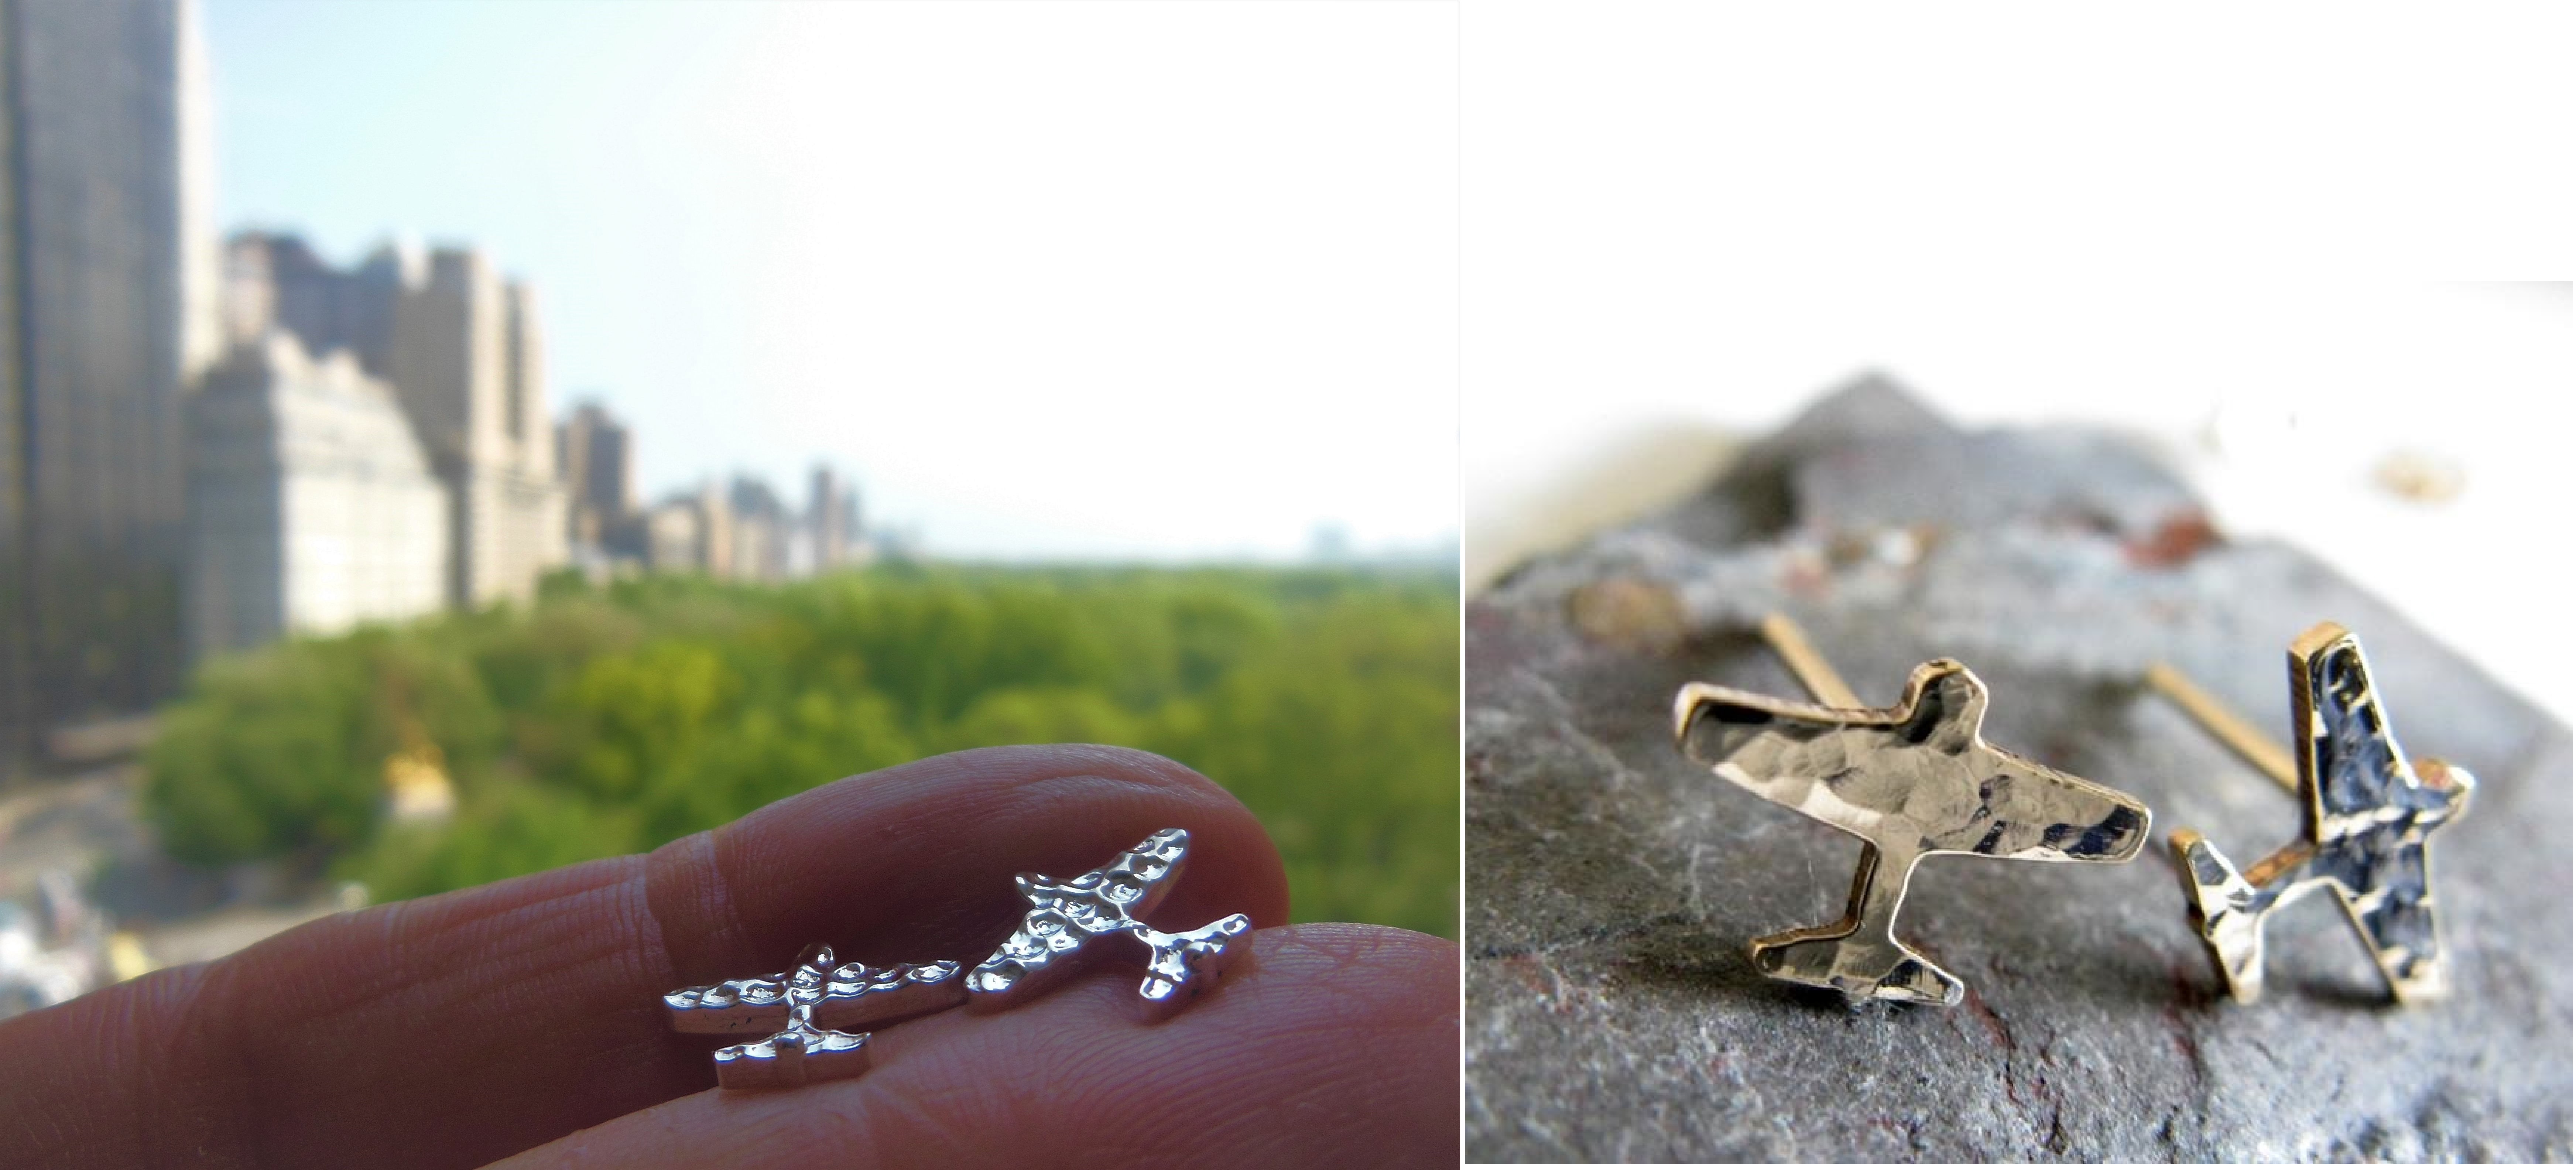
(1911, 781)
(1065, 917)
(2365, 817)
(801, 1014)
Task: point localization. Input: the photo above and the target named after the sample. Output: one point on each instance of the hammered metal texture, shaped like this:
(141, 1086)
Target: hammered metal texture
(802, 1015)
(1064, 918)
(796, 1055)
(2366, 815)
(1911, 781)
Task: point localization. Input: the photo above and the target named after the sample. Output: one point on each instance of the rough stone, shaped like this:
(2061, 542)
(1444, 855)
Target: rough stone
(1612, 1013)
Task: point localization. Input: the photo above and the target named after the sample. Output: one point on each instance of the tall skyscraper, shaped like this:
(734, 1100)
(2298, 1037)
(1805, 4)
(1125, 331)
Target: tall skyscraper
(107, 313)
(822, 509)
(832, 518)
(467, 361)
(595, 456)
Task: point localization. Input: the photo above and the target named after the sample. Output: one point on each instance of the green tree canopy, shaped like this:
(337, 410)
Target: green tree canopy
(605, 721)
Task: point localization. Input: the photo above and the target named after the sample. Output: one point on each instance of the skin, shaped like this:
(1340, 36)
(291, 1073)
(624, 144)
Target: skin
(522, 1021)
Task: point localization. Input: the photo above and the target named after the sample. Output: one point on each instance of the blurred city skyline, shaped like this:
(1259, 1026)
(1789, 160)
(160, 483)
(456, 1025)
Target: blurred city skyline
(1041, 306)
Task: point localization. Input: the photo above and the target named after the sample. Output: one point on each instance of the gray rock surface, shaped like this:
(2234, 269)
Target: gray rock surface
(1611, 886)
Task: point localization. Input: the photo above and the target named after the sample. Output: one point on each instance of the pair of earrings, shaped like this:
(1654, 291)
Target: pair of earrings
(809, 1016)
(1919, 779)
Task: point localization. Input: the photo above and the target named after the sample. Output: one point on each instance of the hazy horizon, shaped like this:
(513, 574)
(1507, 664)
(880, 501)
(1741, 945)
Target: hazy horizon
(1089, 282)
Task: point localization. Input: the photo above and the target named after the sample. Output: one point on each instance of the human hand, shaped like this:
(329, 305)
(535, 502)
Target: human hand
(525, 1017)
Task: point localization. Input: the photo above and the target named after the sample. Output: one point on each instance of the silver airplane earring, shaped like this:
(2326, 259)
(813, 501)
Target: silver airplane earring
(2365, 815)
(1065, 918)
(808, 1017)
(801, 1014)
(1911, 781)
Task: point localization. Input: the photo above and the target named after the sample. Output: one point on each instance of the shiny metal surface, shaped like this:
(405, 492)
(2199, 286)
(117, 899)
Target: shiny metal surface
(803, 1014)
(1065, 918)
(2366, 819)
(794, 1056)
(1911, 781)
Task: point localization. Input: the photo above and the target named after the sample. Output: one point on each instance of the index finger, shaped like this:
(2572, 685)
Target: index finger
(453, 1030)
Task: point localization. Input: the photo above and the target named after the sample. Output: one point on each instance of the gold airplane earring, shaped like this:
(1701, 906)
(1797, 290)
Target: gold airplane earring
(2365, 816)
(1911, 781)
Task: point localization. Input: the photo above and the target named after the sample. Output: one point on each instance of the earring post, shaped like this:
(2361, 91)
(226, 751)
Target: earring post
(2251, 745)
(1814, 673)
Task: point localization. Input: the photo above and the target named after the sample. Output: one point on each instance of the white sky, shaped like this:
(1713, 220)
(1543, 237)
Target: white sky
(1052, 279)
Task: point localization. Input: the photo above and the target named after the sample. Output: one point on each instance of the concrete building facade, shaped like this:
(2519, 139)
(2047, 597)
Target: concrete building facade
(692, 532)
(107, 314)
(739, 532)
(463, 352)
(278, 281)
(675, 537)
(313, 507)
